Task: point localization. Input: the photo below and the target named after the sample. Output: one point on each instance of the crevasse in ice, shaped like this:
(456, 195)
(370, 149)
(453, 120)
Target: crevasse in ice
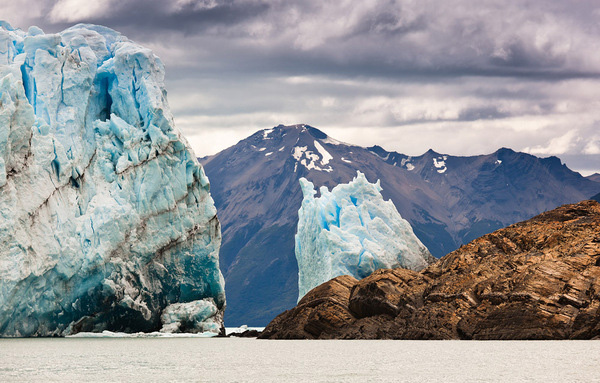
(351, 230)
(106, 221)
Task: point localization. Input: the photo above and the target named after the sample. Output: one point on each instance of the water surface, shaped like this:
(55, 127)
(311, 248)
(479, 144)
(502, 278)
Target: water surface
(251, 360)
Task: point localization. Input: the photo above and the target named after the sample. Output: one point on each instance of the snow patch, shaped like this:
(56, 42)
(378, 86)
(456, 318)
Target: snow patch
(345, 160)
(268, 154)
(440, 164)
(383, 158)
(262, 149)
(406, 163)
(333, 141)
(266, 133)
(309, 159)
(326, 157)
(312, 159)
(298, 152)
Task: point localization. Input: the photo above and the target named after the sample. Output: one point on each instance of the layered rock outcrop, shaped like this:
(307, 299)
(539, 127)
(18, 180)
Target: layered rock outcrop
(538, 279)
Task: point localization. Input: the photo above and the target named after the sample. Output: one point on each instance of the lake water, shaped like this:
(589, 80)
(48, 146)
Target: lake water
(251, 360)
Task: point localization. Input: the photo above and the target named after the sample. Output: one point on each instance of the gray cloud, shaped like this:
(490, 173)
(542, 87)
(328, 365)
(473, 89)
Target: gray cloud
(378, 38)
(154, 16)
(457, 76)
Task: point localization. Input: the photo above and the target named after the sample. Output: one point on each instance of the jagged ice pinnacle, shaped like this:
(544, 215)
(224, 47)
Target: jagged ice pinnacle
(106, 218)
(351, 230)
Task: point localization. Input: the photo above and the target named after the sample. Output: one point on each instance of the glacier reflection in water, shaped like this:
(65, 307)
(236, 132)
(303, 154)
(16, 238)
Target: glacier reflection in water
(251, 360)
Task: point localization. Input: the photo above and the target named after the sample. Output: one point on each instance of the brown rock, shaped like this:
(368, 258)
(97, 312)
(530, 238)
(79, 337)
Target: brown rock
(319, 314)
(245, 334)
(537, 279)
(387, 292)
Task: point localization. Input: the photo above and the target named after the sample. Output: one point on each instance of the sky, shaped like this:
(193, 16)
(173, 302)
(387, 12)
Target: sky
(460, 77)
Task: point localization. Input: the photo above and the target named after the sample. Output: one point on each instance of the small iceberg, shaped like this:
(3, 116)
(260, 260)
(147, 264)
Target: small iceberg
(351, 230)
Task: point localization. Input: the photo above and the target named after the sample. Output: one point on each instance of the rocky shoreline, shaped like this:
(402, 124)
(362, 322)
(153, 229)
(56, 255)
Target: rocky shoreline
(538, 279)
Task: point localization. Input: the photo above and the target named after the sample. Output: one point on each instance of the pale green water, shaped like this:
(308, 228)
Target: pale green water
(250, 360)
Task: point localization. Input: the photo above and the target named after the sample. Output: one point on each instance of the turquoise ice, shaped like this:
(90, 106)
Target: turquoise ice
(351, 230)
(106, 221)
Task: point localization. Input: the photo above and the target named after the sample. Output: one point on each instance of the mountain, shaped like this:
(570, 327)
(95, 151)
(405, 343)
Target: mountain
(537, 279)
(594, 177)
(107, 221)
(596, 197)
(487, 192)
(448, 200)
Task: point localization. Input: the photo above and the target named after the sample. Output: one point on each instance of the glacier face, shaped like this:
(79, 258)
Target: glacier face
(351, 230)
(106, 218)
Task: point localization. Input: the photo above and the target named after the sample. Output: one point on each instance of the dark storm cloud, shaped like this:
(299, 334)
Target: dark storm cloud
(460, 76)
(379, 38)
(151, 18)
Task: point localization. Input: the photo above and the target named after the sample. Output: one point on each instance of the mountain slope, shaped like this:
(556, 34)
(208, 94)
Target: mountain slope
(487, 192)
(448, 201)
(594, 177)
(255, 186)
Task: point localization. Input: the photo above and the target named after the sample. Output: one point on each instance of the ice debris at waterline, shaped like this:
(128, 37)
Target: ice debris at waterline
(351, 230)
(154, 334)
(106, 218)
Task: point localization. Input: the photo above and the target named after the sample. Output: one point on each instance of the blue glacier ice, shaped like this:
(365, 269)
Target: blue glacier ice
(107, 222)
(351, 230)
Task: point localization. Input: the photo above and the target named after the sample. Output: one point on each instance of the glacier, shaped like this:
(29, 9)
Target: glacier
(107, 223)
(352, 230)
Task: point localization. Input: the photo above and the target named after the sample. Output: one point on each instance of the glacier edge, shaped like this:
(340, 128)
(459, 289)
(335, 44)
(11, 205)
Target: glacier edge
(107, 218)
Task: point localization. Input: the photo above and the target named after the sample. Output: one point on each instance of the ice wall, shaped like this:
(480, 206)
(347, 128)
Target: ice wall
(351, 230)
(106, 218)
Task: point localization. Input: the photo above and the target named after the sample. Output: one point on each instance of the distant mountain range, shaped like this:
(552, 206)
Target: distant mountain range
(594, 177)
(448, 200)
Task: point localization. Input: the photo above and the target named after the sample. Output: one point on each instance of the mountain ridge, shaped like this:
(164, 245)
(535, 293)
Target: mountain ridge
(447, 201)
(594, 177)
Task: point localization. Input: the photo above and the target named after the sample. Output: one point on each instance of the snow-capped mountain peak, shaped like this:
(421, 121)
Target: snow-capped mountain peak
(447, 199)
